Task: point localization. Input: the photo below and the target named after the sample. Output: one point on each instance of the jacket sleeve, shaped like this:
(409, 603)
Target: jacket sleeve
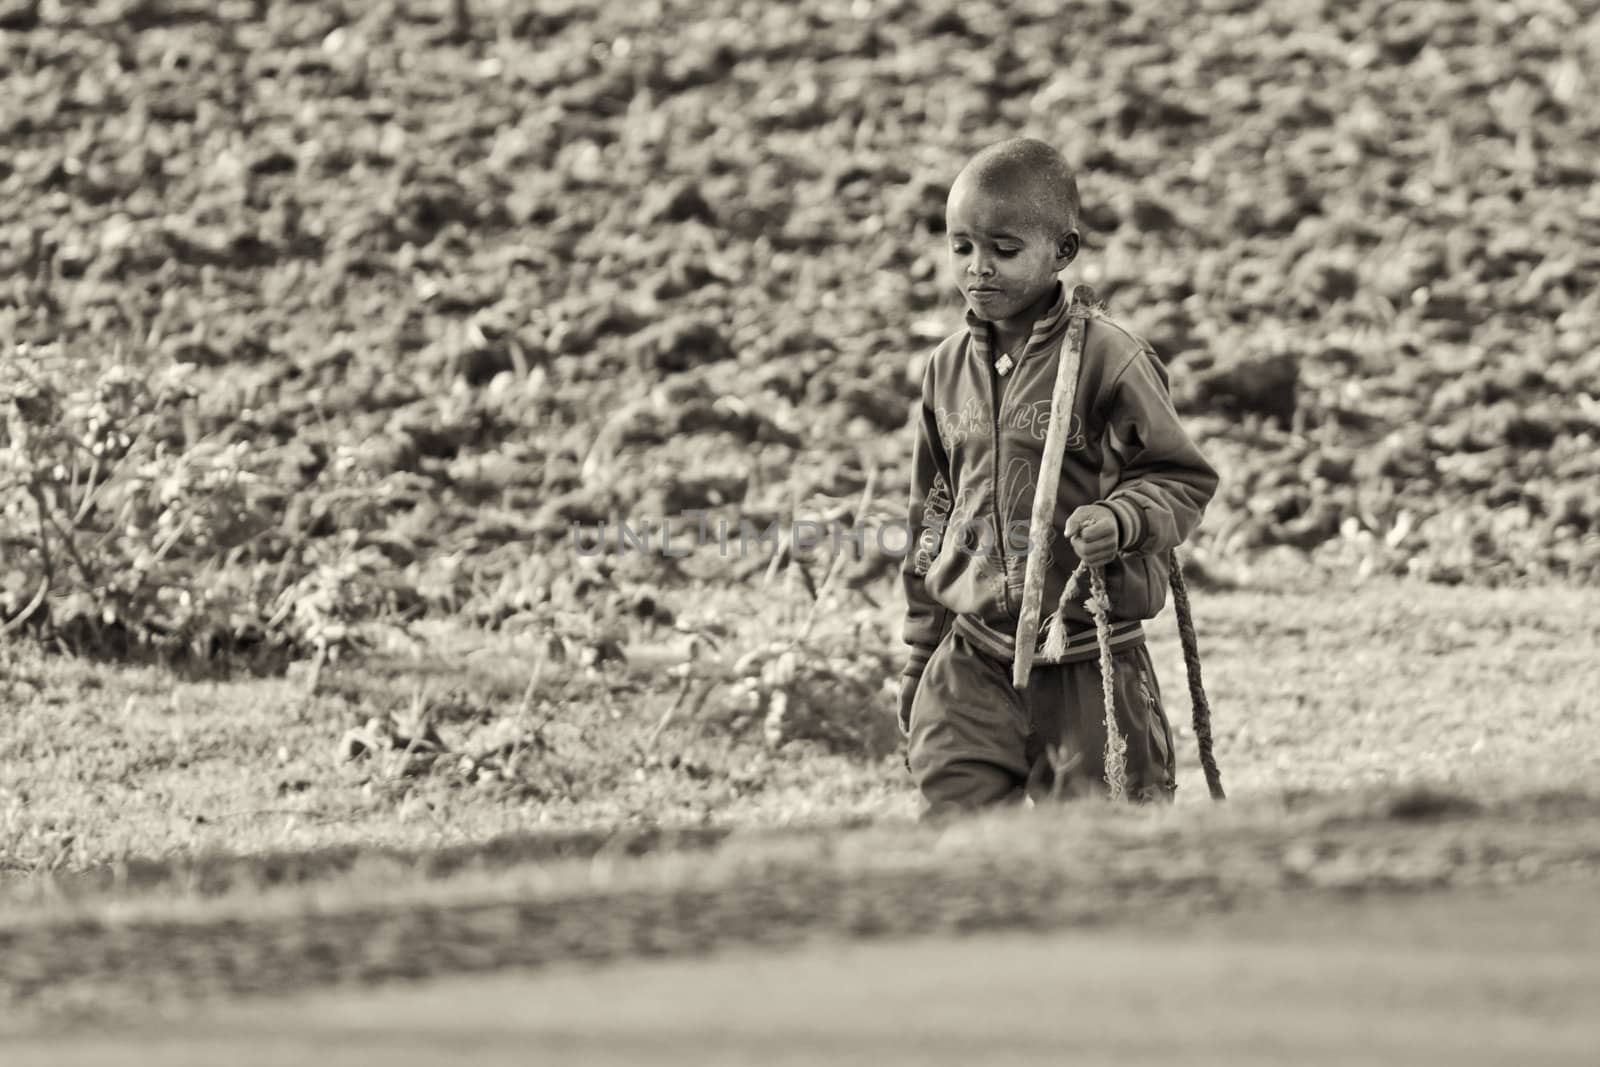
(927, 514)
(1164, 483)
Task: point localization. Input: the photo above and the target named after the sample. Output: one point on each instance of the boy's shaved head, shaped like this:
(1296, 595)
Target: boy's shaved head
(1012, 224)
(1030, 177)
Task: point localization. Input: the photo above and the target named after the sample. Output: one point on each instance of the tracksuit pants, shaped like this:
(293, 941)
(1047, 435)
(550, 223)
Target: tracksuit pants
(976, 741)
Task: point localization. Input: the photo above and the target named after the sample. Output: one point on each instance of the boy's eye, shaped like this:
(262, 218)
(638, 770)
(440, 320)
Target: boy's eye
(1007, 252)
(960, 248)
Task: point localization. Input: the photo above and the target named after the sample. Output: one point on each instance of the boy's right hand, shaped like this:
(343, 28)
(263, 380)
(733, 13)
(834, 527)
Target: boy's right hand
(1093, 533)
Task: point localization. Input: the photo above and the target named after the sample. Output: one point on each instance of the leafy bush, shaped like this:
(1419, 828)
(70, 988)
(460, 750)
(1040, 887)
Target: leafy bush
(118, 531)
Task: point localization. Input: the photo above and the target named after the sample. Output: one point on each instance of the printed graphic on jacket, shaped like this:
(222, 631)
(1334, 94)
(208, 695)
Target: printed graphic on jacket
(958, 522)
(1016, 498)
(935, 513)
(1033, 418)
(958, 424)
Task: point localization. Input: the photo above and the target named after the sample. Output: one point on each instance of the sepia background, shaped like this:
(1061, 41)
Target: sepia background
(340, 342)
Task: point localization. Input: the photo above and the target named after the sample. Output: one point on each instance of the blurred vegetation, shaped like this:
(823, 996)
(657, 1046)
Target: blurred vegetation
(446, 279)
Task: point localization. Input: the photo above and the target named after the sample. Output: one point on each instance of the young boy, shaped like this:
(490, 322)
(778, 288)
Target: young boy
(1132, 486)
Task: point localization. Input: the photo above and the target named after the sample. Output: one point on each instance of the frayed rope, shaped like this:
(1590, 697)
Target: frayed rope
(1099, 607)
(1055, 646)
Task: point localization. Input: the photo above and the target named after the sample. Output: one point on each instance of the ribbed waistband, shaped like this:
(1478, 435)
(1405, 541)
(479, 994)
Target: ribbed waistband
(1082, 645)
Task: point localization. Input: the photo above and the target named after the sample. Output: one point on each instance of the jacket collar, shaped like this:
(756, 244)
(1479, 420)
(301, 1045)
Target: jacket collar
(1047, 330)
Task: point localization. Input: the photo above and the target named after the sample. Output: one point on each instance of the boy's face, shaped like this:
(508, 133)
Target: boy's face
(1002, 257)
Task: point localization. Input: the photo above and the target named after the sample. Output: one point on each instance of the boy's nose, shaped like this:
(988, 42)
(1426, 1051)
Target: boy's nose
(980, 266)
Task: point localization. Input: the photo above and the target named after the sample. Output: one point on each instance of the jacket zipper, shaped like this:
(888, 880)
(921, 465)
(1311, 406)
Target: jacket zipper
(996, 486)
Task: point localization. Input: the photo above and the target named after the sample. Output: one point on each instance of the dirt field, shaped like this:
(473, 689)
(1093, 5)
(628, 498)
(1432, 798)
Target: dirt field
(444, 291)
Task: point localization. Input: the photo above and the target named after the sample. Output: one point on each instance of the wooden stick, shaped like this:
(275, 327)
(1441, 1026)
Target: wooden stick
(1041, 524)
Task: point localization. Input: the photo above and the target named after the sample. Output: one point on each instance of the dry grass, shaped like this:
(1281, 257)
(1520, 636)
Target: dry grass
(1315, 691)
(101, 765)
(1332, 689)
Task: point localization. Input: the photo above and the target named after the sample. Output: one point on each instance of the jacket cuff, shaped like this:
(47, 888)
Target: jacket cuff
(1130, 523)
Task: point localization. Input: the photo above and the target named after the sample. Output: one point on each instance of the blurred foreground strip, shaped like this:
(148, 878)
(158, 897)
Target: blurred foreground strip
(110, 954)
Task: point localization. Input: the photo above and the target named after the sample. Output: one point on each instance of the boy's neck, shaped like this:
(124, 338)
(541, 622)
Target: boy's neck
(1011, 334)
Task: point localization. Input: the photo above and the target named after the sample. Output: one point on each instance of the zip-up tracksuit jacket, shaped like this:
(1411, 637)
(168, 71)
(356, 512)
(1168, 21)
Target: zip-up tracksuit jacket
(979, 443)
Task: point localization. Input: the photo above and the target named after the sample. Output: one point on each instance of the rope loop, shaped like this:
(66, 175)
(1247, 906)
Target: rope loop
(1098, 605)
(1191, 664)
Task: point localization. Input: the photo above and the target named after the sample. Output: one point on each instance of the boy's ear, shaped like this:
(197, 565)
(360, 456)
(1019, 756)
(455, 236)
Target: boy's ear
(1067, 247)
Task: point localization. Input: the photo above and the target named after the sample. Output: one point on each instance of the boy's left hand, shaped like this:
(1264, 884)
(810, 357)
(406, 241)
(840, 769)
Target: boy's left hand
(1093, 534)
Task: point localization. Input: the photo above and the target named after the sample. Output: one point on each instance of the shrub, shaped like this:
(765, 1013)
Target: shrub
(118, 531)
